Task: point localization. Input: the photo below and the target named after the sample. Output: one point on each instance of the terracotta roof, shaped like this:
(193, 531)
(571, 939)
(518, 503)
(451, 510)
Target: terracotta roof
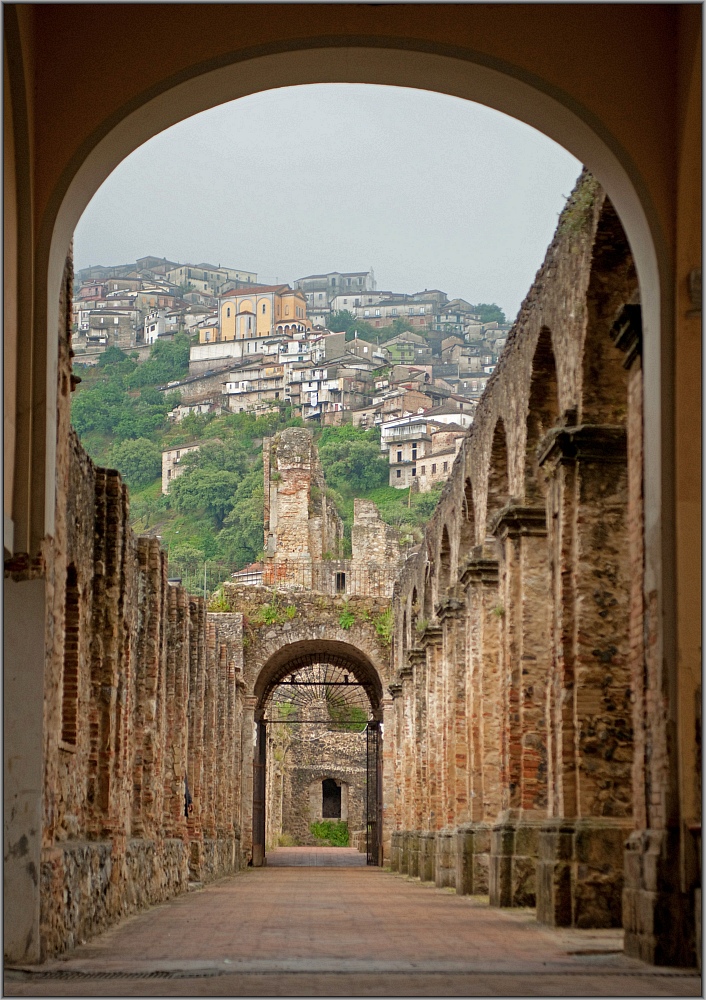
(257, 290)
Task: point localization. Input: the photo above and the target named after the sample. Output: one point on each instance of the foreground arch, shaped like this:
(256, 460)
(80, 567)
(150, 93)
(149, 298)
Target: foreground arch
(65, 131)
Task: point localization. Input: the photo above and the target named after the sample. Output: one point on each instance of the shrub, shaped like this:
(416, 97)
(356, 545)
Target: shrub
(331, 832)
(346, 618)
(384, 624)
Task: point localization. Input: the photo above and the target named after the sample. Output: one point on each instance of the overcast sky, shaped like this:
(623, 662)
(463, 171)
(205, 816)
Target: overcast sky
(431, 191)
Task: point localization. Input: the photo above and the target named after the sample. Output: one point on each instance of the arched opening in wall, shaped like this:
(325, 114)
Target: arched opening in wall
(467, 534)
(498, 479)
(428, 599)
(331, 798)
(444, 564)
(613, 286)
(542, 412)
(318, 755)
(70, 676)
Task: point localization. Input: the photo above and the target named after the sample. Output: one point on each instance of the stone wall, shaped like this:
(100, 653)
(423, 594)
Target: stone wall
(141, 687)
(298, 762)
(530, 741)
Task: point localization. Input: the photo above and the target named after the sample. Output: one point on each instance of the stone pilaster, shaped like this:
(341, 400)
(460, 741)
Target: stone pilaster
(525, 654)
(430, 641)
(480, 578)
(590, 765)
(395, 690)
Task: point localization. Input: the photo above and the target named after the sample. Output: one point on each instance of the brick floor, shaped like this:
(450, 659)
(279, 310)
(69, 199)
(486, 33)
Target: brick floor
(310, 930)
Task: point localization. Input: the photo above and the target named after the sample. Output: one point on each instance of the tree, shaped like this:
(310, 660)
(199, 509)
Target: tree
(186, 558)
(489, 312)
(342, 321)
(209, 490)
(168, 362)
(138, 461)
(352, 461)
(241, 539)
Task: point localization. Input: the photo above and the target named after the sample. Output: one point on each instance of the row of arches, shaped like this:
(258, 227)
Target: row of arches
(516, 657)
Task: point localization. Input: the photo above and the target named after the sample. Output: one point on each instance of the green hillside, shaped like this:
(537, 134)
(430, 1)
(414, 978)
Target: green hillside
(213, 514)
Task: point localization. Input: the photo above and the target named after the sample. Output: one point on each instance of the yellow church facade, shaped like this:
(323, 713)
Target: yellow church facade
(261, 311)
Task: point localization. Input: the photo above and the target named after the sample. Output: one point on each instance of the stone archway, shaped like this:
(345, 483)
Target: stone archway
(330, 670)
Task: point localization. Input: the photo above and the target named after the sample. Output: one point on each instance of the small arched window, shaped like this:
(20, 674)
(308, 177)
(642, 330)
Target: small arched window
(331, 799)
(228, 312)
(264, 304)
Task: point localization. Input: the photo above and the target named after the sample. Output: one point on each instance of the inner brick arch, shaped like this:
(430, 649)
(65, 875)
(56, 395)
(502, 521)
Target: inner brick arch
(498, 477)
(444, 577)
(542, 412)
(413, 618)
(467, 531)
(295, 655)
(613, 284)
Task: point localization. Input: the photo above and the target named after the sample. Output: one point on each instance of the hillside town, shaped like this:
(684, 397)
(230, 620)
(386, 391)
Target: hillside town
(332, 346)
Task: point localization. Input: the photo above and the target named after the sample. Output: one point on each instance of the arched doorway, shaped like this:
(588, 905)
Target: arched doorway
(327, 688)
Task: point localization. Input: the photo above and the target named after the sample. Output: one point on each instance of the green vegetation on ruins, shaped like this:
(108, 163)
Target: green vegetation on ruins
(213, 512)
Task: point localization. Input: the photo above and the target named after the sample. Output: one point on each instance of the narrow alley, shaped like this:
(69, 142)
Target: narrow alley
(318, 929)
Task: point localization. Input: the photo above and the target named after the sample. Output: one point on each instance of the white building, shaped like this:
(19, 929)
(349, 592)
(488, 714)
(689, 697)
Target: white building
(155, 326)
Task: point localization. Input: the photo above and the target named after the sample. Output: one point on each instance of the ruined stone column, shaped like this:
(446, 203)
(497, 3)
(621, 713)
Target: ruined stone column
(416, 807)
(431, 642)
(452, 616)
(388, 776)
(177, 696)
(210, 744)
(247, 759)
(523, 614)
(195, 764)
(395, 690)
(480, 578)
(590, 787)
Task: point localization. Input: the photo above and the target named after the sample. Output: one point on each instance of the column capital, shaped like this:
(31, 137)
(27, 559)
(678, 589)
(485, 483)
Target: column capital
(395, 689)
(415, 655)
(431, 636)
(605, 444)
(516, 520)
(479, 569)
(450, 608)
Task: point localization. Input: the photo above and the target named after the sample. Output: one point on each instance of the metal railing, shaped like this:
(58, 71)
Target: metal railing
(344, 577)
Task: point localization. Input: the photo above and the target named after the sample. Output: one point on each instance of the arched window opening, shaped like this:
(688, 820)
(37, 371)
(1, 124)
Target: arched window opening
(69, 687)
(467, 537)
(542, 412)
(498, 480)
(444, 563)
(427, 601)
(613, 283)
(330, 799)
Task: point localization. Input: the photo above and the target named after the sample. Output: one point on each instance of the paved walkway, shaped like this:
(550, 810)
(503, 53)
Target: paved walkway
(317, 857)
(321, 931)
